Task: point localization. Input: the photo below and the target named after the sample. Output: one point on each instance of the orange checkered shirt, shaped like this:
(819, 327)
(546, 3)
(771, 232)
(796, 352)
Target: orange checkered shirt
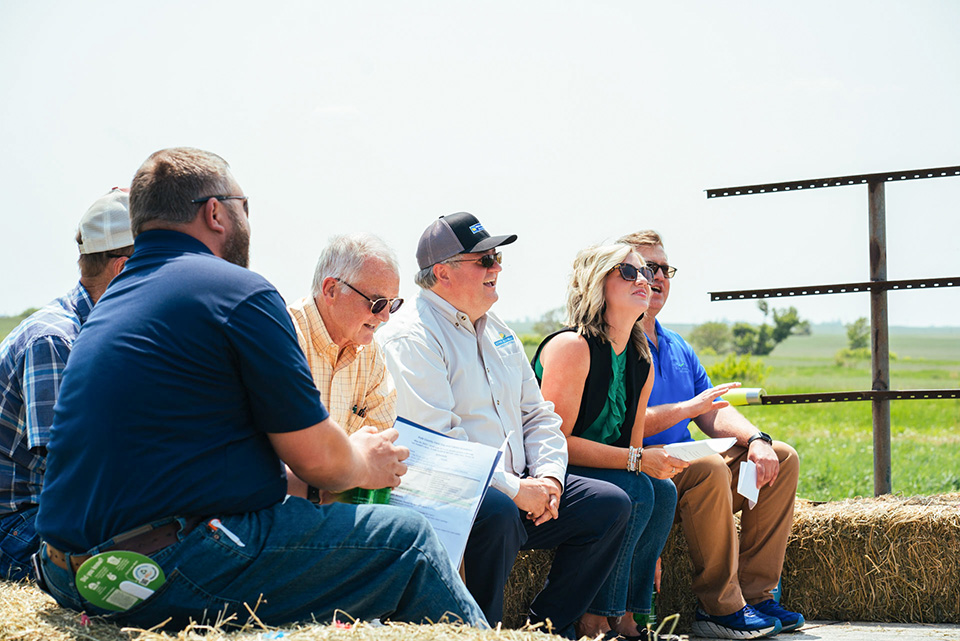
(356, 388)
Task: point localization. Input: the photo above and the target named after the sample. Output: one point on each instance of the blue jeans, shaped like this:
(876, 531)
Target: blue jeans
(299, 561)
(593, 515)
(18, 541)
(629, 586)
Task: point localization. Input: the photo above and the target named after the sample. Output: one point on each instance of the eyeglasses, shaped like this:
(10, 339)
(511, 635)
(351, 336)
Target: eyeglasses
(246, 207)
(667, 270)
(486, 261)
(377, 306)
(631, 273)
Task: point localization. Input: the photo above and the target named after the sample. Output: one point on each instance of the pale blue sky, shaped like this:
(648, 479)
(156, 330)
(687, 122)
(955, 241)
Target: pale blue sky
(567, 123)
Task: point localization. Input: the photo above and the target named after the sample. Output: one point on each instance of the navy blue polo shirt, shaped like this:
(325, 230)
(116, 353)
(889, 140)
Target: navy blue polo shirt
(183, 368)
(680, 377)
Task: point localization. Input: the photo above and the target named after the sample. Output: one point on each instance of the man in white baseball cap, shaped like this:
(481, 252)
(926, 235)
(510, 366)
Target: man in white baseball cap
(32, 359)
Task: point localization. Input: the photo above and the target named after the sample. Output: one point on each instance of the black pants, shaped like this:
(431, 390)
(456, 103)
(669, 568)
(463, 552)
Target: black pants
(593, 515)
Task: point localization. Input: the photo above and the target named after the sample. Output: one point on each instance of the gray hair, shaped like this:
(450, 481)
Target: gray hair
(344, 256)
(426, 279)
(169, 179)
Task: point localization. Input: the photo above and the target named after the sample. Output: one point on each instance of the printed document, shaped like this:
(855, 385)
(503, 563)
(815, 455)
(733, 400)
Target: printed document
(445, 481)
(692, 450)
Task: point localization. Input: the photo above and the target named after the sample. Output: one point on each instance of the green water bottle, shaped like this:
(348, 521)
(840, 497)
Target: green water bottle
(360, 496)
(648, 620)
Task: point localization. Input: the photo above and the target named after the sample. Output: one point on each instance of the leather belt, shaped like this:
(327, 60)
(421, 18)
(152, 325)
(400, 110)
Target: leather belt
(145, 540)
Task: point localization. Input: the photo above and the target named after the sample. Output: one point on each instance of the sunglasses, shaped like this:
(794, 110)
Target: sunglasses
(246, 207)
(377, 306)
(631, 273)
(667, 270)
(486, 261)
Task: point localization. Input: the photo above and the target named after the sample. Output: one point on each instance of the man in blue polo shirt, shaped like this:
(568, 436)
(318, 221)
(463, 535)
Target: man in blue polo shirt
(184, 395)
(733, 580)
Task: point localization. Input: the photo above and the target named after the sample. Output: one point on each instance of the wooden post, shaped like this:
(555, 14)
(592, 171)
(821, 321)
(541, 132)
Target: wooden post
(880, 339)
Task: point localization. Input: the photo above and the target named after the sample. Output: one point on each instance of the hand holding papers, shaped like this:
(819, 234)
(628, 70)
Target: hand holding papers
(747, 483)
(692, 450)
(445, 481)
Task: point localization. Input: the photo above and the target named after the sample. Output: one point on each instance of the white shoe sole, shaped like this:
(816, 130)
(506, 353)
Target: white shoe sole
(713, 630)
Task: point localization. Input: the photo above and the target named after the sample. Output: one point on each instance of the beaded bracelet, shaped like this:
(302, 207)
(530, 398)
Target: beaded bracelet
(634, 455)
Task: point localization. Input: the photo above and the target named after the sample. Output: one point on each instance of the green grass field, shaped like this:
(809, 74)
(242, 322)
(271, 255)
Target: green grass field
(835, 440)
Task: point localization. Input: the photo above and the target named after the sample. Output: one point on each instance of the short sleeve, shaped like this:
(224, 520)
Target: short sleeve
(272, 366)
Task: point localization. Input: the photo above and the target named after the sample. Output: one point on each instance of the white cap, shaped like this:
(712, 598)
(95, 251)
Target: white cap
(106, 225)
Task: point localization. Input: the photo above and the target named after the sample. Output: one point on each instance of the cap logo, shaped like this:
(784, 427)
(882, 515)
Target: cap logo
(476, 228)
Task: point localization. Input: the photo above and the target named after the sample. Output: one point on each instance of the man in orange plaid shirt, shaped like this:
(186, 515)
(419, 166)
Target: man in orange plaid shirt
(355, 288)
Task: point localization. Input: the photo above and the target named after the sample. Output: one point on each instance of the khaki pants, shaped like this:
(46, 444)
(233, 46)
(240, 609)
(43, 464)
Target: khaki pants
(728, 573)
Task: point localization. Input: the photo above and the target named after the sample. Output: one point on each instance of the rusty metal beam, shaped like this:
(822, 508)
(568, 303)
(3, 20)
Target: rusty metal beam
(866, 395)
(880, 339)
(840, 181)
(841, 288)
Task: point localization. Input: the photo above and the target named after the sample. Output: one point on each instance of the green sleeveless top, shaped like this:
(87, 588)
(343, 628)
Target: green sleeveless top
(606, 428)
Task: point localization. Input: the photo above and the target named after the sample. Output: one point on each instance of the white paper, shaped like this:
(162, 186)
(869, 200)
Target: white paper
(445, 481)
(692, 450)
(747, 484)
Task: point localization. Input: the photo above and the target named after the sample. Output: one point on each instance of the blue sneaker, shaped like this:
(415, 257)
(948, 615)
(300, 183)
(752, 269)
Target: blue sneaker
(745, 623)
(789, 620)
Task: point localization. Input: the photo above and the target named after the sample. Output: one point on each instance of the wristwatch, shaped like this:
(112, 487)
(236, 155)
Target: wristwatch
(763, 436)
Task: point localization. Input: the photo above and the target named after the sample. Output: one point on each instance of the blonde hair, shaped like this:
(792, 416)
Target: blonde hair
(585, 295)
(643, 238)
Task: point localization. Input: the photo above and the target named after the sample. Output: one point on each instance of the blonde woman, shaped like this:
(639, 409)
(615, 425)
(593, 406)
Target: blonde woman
(597, 373)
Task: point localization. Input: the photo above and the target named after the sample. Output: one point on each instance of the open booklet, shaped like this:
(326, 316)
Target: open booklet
(445, 481)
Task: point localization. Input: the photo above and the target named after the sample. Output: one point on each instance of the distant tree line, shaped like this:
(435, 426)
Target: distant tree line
(743, 338)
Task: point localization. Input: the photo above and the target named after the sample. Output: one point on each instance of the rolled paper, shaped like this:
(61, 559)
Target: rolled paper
(744, 396)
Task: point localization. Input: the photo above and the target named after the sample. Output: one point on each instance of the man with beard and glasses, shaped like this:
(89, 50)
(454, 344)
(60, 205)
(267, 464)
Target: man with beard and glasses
(184, 396)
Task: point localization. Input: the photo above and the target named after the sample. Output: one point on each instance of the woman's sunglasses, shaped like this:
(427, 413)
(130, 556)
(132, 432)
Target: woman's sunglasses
(630, 272)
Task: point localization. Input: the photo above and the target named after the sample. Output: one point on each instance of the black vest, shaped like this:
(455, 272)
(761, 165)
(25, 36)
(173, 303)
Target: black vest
(597, 385)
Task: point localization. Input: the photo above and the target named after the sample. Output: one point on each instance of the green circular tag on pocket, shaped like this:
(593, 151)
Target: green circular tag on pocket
(118, 580)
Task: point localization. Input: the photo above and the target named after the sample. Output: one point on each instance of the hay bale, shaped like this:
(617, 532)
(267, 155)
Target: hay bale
(27, 614)
(526, 579)
(888, 559)
(891, 558)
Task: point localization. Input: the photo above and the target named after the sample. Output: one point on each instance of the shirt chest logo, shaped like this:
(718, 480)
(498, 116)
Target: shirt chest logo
(504, 340)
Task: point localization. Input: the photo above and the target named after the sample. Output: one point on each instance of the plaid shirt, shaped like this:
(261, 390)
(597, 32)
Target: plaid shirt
(355, 386)
(32, 359)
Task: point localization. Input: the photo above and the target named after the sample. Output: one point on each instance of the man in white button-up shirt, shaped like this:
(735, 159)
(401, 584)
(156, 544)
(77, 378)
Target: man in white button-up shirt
(461, 371)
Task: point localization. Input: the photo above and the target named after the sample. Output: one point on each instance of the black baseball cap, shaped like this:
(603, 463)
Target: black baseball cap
(459, 233)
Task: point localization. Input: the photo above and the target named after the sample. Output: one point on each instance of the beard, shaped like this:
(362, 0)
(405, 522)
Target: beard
(236, 248)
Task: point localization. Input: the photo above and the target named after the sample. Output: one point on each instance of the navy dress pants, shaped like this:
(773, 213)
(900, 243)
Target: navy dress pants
(587, 536)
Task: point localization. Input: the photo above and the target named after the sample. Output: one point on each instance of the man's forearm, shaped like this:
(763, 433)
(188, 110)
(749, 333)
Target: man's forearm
(661, 417)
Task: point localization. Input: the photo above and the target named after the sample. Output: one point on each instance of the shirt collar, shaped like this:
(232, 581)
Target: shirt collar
(168, 239)
(449, 312)
(321, 337)
(79, 299)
